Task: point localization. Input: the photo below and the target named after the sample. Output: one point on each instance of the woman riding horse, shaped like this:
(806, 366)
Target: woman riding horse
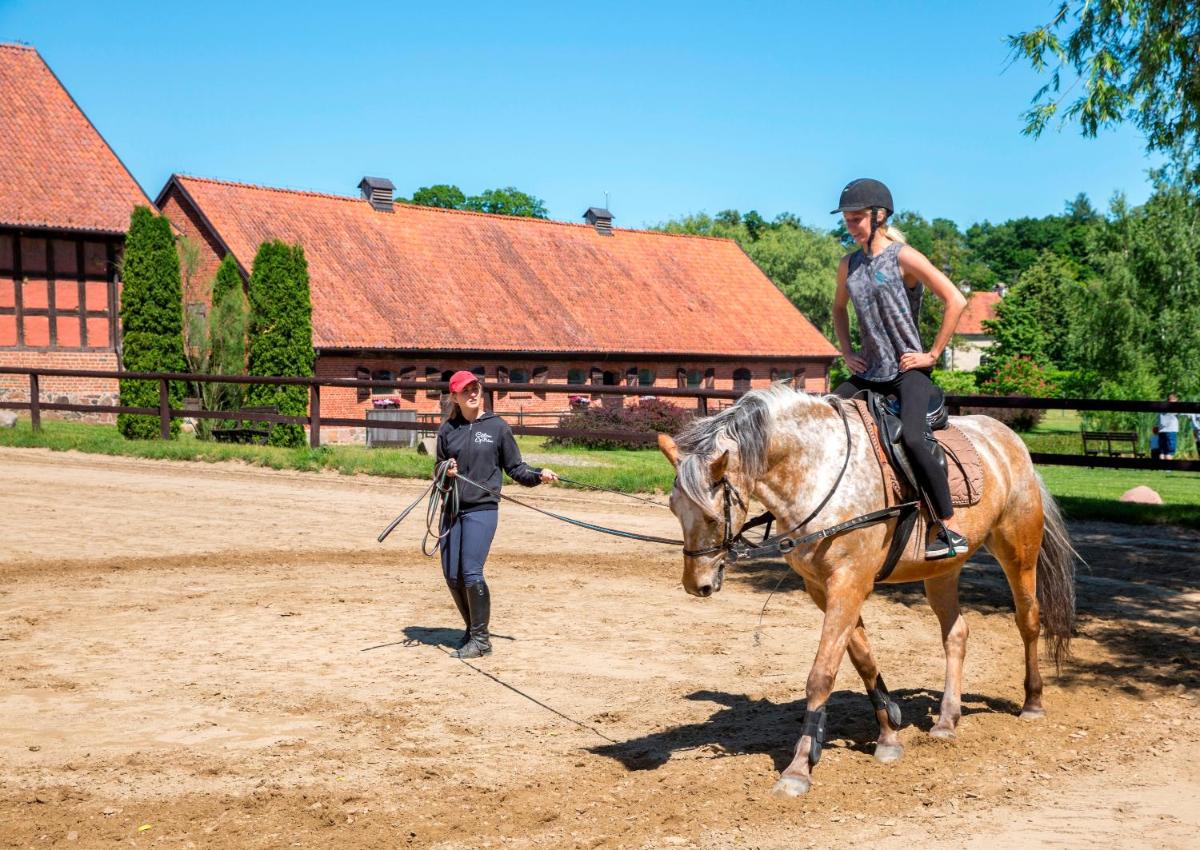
(885, 279)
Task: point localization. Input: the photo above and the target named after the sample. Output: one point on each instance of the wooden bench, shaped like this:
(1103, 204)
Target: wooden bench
(257, 433)
(1111, 443)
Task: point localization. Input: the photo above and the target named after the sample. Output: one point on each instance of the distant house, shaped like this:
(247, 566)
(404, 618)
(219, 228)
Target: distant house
(414, 293)
(65, 203)
(971, 338)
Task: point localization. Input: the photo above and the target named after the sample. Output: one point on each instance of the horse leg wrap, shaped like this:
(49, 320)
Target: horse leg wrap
(881, 699)
(814, 727)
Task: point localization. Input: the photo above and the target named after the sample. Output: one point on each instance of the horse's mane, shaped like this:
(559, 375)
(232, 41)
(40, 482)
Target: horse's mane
(747, 424)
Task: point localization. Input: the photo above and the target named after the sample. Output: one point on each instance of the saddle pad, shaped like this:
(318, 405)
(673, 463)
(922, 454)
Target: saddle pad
(963, 466)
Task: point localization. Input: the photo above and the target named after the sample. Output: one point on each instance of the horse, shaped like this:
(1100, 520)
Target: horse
(798, 454)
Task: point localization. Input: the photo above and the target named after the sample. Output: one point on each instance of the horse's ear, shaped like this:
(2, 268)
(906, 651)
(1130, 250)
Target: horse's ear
(716, 469)
(667, 446)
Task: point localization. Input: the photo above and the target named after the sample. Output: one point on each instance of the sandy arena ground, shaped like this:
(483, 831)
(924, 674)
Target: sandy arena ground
(217, 656)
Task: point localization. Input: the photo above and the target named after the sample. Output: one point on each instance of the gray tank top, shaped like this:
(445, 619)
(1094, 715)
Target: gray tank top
(887, 311)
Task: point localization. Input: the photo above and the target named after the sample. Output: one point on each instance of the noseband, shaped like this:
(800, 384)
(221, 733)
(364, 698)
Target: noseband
(738, 548)
(731, 540)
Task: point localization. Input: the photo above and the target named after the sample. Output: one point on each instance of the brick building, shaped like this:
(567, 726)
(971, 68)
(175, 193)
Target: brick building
(65, 202)
(405, 292)
(971, 338)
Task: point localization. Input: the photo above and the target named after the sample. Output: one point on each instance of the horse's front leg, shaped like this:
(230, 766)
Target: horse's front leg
(887, 713)
(942, 593)
(843, 602)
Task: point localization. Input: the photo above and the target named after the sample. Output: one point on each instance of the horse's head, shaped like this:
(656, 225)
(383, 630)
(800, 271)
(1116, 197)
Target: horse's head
(710, 499)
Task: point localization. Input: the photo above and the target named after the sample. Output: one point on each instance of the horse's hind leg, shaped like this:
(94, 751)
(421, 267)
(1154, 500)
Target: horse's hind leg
(942, 593)
(888, 747)
(1016, 548)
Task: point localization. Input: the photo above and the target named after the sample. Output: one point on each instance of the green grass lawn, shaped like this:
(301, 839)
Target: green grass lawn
(1083, 493)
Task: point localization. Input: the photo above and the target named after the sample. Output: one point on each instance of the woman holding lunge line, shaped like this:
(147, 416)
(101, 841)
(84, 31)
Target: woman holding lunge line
(479, 445)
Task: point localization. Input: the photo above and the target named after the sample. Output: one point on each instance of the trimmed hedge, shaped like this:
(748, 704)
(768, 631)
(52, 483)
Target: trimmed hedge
(281, 333)
(648, 416)
(151, 320)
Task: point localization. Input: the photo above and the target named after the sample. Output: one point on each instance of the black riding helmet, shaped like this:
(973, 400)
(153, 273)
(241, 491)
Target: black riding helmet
(864, 194)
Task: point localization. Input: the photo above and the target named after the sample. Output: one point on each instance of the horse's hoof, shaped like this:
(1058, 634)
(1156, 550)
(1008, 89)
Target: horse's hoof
(1033, 713)
(790, 786)
(888, 753)
(942, 733)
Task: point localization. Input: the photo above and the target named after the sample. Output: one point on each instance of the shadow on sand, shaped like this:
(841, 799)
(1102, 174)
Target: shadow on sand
(744, 726)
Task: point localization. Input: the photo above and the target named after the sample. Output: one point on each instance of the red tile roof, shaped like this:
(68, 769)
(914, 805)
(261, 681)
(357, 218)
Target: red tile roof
(55, 169)
(981, 306)
(434, 279)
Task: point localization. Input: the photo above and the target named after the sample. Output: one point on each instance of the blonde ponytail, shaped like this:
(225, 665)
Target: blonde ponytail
(896, 234)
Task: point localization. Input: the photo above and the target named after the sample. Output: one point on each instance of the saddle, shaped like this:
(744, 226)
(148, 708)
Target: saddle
(949, 446)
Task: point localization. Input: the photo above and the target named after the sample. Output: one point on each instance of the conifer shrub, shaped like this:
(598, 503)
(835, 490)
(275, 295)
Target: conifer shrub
(151, 321)
(280, 333)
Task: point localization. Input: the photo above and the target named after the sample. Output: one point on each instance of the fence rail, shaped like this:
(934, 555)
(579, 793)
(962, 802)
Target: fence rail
(314, 420)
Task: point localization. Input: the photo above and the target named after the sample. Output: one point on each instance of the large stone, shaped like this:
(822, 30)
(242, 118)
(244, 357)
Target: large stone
(1141, 495)
(8, 419)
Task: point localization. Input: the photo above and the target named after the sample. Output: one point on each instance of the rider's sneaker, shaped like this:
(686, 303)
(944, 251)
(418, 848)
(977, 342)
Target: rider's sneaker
(947, 544)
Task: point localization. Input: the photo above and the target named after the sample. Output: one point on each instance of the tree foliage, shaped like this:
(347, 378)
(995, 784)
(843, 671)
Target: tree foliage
(151, 320)
(280, 333)
(507, 201)
(1138, 61)
(439, 195)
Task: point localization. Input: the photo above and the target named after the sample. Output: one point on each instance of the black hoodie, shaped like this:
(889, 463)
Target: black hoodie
(482, 448)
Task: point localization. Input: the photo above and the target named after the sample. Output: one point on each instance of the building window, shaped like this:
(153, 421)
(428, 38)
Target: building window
(741, 379)
(520, 376)
(381, 375)
(646, 377)
(575, 376)
(433, 373)
(362, 373)
(408, 373)
(595, 376)
(694, 377)
(540, 373)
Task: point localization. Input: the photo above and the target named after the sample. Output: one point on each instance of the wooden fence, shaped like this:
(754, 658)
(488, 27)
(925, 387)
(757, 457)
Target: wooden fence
(314, 420)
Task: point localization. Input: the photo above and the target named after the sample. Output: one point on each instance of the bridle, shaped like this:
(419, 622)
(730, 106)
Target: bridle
(737, 548)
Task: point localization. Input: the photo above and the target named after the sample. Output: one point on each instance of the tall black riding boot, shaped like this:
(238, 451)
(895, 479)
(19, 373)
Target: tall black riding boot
(460, 601)
(479, 601)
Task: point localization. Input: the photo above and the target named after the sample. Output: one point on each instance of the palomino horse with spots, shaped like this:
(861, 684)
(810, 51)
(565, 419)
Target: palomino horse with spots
(798, 453)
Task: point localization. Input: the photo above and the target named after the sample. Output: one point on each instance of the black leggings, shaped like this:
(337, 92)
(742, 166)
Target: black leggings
(913, 388)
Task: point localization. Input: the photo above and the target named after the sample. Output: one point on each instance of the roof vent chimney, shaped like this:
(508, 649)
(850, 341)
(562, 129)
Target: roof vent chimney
(378, 192)
(601, 219)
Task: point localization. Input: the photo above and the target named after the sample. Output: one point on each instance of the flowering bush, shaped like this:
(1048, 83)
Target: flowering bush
(1017, 376)
(648, 416)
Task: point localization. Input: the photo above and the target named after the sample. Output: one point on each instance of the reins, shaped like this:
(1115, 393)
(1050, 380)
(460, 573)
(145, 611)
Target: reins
(443, 496)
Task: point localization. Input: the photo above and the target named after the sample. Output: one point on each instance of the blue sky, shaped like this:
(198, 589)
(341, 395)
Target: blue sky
(671, 108)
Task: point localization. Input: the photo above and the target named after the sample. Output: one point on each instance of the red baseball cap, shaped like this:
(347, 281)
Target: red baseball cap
(461, 379)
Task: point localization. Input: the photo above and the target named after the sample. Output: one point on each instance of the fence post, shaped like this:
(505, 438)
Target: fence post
(35, 402)
(314, 416)
(164, 409)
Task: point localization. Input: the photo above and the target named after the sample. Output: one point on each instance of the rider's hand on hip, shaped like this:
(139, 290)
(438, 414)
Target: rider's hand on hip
(916, 360)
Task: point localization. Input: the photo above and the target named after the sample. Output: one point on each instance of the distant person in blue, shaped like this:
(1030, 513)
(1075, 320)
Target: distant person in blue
(1166, 426)
(477, 444)
(886, 279)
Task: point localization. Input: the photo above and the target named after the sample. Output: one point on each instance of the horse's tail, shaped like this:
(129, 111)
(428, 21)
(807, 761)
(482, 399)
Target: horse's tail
(1056, 578)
